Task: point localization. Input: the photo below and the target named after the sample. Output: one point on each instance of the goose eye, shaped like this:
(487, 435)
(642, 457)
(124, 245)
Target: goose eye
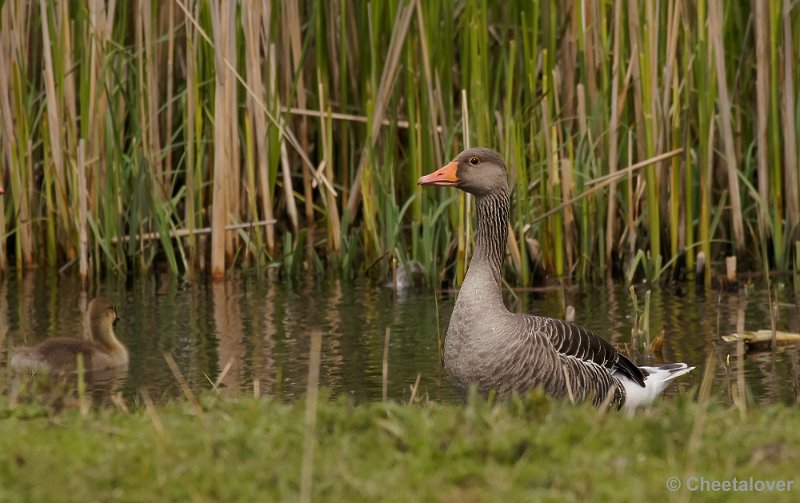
(474, 161)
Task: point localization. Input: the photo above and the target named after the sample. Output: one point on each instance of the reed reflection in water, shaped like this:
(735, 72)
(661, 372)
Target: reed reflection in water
(251, 334)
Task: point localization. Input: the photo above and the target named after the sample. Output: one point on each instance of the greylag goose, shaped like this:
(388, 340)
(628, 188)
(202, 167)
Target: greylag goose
(497, 350)
(59, 354)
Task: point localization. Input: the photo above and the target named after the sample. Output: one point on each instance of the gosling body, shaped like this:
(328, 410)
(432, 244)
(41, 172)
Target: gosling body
(60, 354)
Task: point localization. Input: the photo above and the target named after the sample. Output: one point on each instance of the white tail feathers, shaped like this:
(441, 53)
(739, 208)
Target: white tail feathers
(655, 381)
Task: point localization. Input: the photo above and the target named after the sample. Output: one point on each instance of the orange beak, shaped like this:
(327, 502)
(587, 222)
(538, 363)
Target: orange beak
(442, 177)
(1, 190)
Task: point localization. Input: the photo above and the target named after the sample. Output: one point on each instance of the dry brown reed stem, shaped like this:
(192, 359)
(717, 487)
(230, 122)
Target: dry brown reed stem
(291, 24)
(7, 56)
(53, 118)
(631, 214)
(673, 20)
(762, 108)
(635, 49)
(433, 104)
(388, 77)
(310, 434)
(590, 27)
(170, 79)
(613, 134)
(220, 13)
(191, 125)
(792, 189)
(326, 130)
(286, 171)
(83, 234)
(7, 134)
(464, 238)
(3, 257)
(252, 14)
(671, 112)
(102, 20)
(568, 66)
(654, 112)
(231, 120)
(715, 29)
(70, 93)
(149, 76)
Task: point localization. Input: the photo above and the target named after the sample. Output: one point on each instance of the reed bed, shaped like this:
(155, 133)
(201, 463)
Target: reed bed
(125, 127)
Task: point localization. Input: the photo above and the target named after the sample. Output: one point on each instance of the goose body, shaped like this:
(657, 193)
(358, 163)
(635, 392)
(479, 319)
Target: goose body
(60, 354)
(496, 350)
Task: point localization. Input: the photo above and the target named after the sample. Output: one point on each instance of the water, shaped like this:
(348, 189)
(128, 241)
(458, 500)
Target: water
(251, 329)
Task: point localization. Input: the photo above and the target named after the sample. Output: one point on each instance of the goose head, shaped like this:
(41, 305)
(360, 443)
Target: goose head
(479, 171)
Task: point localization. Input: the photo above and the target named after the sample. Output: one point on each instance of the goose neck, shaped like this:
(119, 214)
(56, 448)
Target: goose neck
(492, 233)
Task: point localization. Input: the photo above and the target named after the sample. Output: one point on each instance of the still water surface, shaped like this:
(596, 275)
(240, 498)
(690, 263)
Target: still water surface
(253, 331)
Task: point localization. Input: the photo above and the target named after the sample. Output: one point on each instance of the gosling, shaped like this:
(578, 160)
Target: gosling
(60, 354)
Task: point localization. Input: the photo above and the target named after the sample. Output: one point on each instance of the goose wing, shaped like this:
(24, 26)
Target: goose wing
(573, 340)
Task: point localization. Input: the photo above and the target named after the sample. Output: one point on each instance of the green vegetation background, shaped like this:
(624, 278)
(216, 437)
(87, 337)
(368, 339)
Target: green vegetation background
(135, 133)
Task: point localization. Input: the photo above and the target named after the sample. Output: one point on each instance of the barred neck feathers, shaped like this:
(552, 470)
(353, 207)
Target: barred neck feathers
(492, 234)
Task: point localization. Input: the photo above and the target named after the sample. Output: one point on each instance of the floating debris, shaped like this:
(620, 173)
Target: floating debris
(762, 337)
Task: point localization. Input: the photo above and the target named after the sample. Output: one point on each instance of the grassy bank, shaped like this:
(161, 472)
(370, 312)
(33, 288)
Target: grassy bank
(201, 134)
(533, 450)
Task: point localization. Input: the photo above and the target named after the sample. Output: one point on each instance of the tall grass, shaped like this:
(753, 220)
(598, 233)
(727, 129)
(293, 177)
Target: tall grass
(305, 114)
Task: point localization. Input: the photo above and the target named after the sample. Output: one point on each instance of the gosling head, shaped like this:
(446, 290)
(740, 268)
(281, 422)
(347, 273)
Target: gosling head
(479, 171)
(102, 312)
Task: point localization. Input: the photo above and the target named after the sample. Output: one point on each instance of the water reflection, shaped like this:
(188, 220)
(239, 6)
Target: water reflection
(228, 331)
(252, 334)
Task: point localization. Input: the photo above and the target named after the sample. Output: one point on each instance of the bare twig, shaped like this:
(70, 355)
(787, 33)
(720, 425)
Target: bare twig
(179, 233)
(605, 180)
